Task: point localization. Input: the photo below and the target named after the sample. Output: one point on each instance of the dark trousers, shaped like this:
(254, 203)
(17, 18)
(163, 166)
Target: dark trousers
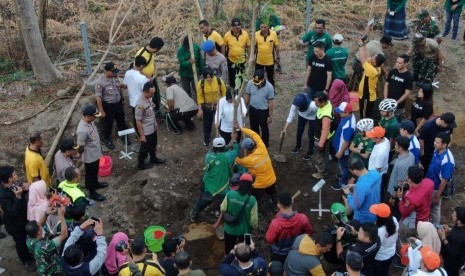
(259, 121)
(134, 123)
(227, 136)
(278, 258)
(230, 241)
(366, 108)
(149, 147)
(113, 111)
(301, 122)
(177, 116)
(205, 199)
(270, 191)
(156, 98)
(425, 161)
(188, 85)
(233, 70)
(269, 69)
(381, 268)
(208, 115)
(20, 243)
(91, 176)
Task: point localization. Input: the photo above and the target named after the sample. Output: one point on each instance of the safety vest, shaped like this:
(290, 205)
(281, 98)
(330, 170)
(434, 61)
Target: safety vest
(72, 190)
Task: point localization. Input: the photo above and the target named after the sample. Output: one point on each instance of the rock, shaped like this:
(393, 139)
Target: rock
(63, 92)
(131, 232)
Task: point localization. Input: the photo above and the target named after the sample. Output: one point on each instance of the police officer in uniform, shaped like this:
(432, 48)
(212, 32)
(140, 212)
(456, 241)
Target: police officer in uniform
(147, 127)
(109, 102)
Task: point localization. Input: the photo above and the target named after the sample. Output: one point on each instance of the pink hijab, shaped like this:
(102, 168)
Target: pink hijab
(338, 93)
(112, 255)
(37, 203)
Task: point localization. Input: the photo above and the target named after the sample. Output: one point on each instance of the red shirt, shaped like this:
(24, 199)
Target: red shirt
(417, 199)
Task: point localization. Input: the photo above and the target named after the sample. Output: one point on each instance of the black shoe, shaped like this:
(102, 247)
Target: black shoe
(307, 156)
(109, 144)
(2, 235)
(296, 149)
(97, 197)
(157, 161)
(144, 166)
(101, 185)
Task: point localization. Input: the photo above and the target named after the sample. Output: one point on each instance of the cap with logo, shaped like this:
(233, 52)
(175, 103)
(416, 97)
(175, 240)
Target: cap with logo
(344, 107)
(423, 14)
(338, 38)
(258, 77)
(235, 22)
(219, 142)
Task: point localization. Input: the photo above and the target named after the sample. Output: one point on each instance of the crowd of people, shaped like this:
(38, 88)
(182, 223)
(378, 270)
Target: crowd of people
(394, 159)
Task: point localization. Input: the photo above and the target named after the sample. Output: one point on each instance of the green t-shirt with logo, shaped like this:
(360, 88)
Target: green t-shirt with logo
(338, 56)
(248, 219)
(361, 142)
(391, 127)
(312, 36)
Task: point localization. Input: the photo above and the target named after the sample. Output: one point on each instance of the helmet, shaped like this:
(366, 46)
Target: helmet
(338, 213)
(247, 144)
(388, 105)
(365, 124)
(208, 46)
(301, 102)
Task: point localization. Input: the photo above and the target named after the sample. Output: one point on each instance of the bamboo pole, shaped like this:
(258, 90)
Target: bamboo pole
(194, 66)
(199, 8)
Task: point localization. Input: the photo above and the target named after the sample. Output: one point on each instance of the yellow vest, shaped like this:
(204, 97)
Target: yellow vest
(71, 189)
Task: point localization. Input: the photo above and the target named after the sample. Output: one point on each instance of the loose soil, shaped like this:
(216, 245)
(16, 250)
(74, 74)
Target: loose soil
(165, 194)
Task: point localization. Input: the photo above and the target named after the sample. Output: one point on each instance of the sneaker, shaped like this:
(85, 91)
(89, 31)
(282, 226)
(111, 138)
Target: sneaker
(307, 156)
(109, 144)
(296, 149)
(144, 166)
(206, 143)
(445, 34)
(101, 185)
(97, 197)
(319, 175)
(336, 187)
(2, 235)
(157, 161)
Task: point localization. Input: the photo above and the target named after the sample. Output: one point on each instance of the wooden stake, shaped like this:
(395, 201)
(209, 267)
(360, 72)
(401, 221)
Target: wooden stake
(197, 3)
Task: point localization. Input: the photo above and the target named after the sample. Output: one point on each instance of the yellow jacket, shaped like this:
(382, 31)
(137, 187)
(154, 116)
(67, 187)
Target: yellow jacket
(258, 162)
(373, 74)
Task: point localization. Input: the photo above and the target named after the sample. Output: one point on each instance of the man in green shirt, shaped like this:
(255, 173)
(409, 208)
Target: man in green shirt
(46, 252)
(428, 27)
(319, 34)
(185, 66)
(453, 10)
(338, 56)
(217, 172)
(389, 122)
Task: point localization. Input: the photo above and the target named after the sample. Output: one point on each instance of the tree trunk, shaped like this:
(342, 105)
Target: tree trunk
(42, 13)
(44, 71)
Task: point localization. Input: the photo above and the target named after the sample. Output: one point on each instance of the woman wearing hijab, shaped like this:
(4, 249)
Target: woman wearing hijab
(338, 93)
(428, 235)
(37, 203)
(115, 259)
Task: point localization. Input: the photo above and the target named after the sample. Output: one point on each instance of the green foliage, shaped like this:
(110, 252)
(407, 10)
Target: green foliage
(95, 7)
(9, 72)
(266, 12)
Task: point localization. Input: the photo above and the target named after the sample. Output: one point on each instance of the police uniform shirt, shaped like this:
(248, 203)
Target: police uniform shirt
(237, 45)
(259, 97)
(87, 137)
(107, 89)
(144, 112)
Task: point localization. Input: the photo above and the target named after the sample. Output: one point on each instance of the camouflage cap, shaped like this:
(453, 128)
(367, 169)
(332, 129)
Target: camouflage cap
(423, 14)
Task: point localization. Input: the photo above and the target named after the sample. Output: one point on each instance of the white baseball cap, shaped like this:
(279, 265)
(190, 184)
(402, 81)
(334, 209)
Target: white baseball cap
(219, 142)
(338, 38)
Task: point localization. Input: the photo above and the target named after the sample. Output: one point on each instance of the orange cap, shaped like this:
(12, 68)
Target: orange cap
(376, 132)
(430, 258)
(382, 210)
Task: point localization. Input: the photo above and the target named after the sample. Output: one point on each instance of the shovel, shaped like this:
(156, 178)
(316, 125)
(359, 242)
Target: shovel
(280, 158)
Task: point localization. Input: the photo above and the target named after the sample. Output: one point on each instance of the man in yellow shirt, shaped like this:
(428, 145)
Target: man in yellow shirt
(210, 34)
(34, 162)
(368, 83)
(209, 91)
(138, 250)
(236, 42)
(267, 45)
(150, 70)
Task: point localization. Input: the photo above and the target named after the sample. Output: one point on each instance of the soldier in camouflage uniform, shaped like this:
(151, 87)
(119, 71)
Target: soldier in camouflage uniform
(428, 27)
(427, 58)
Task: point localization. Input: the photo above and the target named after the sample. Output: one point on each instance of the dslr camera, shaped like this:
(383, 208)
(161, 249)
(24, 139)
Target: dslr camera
(120, 246)
(404, 186)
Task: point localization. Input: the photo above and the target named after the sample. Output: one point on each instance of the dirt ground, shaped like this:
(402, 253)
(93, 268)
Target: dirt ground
(164, 195)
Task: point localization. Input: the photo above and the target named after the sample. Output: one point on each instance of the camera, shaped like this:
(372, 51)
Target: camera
(404, 186)
(120, 246)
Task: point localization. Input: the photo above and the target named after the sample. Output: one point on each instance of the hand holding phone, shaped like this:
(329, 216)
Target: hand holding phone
(247, 238)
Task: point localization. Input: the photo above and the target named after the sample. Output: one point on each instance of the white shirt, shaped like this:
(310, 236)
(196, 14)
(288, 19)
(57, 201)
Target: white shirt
(388, 244)
(379, 157)
(434, 273)
(308, 114)
(225, 114)
(135, 82)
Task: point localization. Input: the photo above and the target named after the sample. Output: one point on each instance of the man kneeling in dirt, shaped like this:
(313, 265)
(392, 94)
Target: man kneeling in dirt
(217, 172)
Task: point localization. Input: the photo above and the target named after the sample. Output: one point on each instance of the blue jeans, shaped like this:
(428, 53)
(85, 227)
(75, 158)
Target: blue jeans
(301, 122)
(455, 16)
(344, 169)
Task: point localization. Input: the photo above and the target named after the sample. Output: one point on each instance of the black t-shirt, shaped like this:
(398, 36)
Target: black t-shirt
(428, 132)
(398, 83)
(318, 74)
(367, 251)
(421, 109)
(170, 269)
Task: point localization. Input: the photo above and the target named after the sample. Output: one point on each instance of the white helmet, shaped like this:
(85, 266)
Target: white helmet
(388, 105)
(365, 124)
